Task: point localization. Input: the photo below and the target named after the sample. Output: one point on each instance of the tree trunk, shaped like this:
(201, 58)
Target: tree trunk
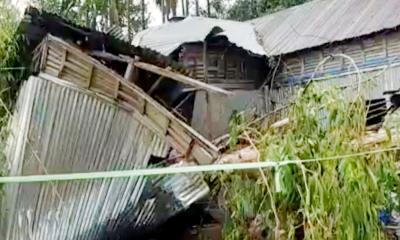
(197, 8)
(187, 7)
(128, 19)
(183, 7)
(168, 7)
(173, 6)
(143, 14)
(114, 18)
(208, 8)
(163, 10)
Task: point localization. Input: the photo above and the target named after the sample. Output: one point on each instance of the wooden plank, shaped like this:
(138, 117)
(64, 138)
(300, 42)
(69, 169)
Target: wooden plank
(108, 56)
(51, 58)
(78, 79)
(180, 78)
(161, 120)
(174, 126)
(43, 59)
(90, 76)
(138, 104)
(130, 72)
(82, 63)
(155, 84)
(63, 59)
(201, 155)
(181, 150)
(177, 138)
(53, 50)
(76, 68)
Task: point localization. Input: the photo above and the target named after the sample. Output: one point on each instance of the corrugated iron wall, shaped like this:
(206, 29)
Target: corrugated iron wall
(373, 84)
(367, 53)
(377, 57)
(58, 129)
(211, 114)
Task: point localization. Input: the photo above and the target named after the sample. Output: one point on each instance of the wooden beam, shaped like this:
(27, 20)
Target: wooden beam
(130, 72)
(108, 56)
(249, 154)
(160, 71)
(155, 84)
(180, 78)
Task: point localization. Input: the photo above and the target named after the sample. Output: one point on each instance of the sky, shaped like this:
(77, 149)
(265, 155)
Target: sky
(155, 12)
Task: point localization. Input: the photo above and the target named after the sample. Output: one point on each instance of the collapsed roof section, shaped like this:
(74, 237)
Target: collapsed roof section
(169, 37)
(37, 24)
(58, 59)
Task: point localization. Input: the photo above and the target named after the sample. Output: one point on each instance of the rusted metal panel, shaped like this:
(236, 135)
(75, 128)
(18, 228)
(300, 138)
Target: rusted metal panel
(322, 21)
(61, 129)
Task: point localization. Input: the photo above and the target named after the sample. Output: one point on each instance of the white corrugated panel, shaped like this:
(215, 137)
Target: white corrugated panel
(168, 37)
(74, 131)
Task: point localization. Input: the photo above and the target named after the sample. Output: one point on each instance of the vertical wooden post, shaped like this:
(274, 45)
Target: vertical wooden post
(131, 72)
(205, 67)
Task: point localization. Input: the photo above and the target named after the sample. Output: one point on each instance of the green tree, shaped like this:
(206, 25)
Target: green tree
(242, 10)
(13, 63)
(102, 14)
(167, 7)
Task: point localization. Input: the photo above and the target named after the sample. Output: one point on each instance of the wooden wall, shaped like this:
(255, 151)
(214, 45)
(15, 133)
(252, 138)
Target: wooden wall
(228, 67)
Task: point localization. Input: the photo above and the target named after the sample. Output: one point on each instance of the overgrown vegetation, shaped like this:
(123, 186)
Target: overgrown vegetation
(14, 61)
(13, 70)
(320, 199)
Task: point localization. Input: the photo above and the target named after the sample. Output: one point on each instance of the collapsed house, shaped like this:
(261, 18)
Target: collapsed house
(81, 111)
(96, 103)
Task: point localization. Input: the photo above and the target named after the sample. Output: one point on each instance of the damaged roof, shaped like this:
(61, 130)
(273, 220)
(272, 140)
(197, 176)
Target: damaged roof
(309, 25)
(170, 36)
(324, 21)
(38, 23)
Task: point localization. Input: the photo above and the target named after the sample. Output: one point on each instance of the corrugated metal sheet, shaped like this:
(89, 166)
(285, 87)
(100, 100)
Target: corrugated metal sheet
(211, 114)
(72, 130)
(168, 37)
(381, 50)
(374, 83)
(324, 21)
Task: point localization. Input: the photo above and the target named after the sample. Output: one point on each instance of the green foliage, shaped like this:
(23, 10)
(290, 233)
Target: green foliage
(13, 63)
(331, 199)
(242, 10)
(101, 14)
(12, 71)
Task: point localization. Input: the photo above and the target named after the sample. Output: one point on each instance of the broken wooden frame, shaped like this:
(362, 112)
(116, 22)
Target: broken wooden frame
(250, 154)
(163, 72)
(64, 61)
